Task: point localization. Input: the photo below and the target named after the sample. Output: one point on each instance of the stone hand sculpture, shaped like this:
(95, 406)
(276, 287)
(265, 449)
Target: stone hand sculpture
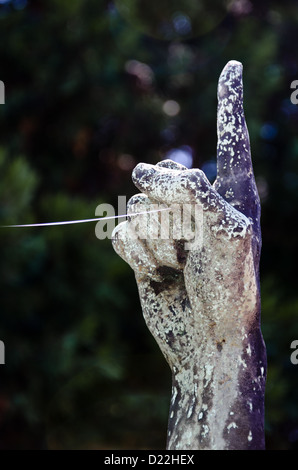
(202, 304)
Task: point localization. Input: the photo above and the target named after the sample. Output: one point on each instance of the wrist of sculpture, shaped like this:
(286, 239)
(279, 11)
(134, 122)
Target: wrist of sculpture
(218, 396)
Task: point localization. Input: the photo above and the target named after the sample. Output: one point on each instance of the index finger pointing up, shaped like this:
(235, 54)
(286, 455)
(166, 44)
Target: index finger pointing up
(235, 178)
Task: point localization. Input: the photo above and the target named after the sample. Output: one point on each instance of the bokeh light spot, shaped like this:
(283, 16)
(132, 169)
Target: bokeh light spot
(171, 108)
(268, 131)
(181, 155)
(182, 24)
(173, 19)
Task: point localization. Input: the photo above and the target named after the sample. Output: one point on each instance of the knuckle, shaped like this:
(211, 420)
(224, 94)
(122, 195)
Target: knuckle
(137, 200)
(197, 181)
(171, 165)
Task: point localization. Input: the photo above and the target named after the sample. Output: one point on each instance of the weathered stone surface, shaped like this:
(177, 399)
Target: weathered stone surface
(202, 305)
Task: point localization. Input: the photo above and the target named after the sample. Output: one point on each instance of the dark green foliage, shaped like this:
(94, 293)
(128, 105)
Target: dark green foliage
(85, 90)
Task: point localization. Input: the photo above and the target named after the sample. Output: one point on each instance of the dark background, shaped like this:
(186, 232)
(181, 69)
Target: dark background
(91, 89)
